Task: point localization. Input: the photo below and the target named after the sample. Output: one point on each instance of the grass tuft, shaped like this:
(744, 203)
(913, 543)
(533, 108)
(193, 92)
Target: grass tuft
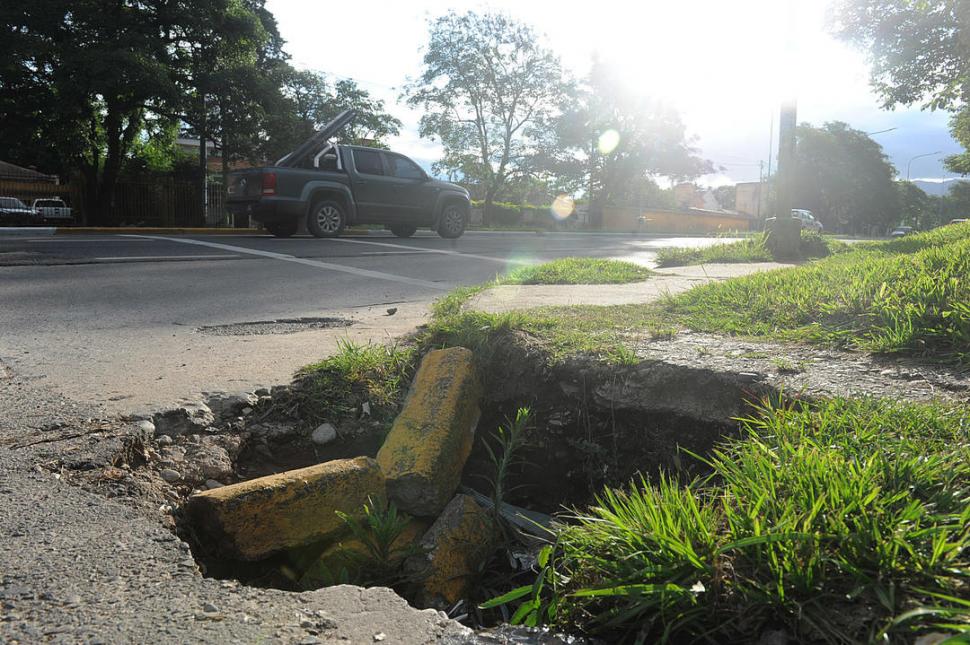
(339, 385)
(844, 521)
(578, 271)
(752, 249)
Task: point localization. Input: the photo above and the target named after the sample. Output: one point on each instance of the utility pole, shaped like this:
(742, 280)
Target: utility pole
(786, 157)
(761, 185)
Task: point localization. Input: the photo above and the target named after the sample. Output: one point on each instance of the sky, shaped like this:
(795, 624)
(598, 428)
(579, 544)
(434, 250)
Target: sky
(725, 65)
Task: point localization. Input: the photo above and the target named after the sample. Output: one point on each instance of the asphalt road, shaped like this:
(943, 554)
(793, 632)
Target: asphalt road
(116, 319)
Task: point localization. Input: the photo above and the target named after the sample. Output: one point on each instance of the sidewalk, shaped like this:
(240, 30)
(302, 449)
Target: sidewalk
(667, 282)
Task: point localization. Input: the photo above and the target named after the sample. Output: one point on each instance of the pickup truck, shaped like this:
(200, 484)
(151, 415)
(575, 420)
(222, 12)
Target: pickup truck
(52, 210)
(330, 186)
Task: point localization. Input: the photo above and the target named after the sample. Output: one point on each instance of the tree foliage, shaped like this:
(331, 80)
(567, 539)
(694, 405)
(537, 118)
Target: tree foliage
(487, 87)
(612, 142)
(920, 53)
(845, 179)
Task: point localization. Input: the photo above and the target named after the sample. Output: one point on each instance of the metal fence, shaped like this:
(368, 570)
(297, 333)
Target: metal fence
(153, 202)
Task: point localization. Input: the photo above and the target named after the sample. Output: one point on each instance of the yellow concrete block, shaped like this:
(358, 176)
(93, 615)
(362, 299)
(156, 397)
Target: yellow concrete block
(455, 547)
(427, 447)
(256, 518)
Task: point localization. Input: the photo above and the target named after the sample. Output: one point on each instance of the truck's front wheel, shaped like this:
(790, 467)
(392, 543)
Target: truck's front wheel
(326, 219)
(453, 221)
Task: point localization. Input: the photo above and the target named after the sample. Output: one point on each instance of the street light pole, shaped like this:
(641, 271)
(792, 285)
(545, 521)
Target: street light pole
(910, 164)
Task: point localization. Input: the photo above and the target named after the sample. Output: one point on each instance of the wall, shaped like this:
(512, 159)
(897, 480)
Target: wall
(673, 221)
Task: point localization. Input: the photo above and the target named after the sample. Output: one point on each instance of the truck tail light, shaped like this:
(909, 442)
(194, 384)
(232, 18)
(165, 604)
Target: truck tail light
(269, 183)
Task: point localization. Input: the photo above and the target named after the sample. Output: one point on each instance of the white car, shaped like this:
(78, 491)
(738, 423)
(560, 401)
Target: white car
(808, 220)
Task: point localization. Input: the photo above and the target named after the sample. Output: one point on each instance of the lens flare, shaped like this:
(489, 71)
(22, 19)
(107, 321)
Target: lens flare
(608, 142)
(562, 207)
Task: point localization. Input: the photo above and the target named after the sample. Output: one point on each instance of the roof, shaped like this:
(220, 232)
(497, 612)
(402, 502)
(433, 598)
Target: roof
(11, 171)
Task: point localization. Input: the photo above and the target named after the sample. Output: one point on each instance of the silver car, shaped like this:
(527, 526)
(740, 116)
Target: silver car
(808, 220)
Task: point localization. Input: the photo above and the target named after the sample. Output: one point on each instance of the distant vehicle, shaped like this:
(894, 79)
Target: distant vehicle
(808, 220)
(331, 186)
(959, 220)
(14, 212)
(901, 231)
(52, 210)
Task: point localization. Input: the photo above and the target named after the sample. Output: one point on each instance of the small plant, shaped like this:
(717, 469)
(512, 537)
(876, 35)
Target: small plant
(786, 366)
(373, 556)
(507, 442)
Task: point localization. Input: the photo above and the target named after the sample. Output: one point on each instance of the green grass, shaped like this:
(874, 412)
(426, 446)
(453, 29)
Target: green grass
(578, 271)
(846, 521)
(339, 386)
(752, 249)
(907, 296)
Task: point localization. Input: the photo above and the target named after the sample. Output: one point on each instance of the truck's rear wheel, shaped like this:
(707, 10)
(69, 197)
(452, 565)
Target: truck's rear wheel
(403, 230)
(282, 229)
(453, 221)
(326, 219)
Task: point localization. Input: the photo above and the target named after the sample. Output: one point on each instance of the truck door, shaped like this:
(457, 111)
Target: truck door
(368, 184)
(411, 193)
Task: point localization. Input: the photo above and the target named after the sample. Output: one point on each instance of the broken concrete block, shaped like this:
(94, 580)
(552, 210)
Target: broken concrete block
(427, 447)
(253, 519)
(454, 548)
(191, 418)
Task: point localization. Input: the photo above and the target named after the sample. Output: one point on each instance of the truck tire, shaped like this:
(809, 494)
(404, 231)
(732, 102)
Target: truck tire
(282, 229)
(454, 219)
(403, 230)
(326, 219)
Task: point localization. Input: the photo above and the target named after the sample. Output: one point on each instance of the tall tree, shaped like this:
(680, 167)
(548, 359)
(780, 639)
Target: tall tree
(920, 53)
(87, 70)
(844, 177)
(488, 85)
(612, 143)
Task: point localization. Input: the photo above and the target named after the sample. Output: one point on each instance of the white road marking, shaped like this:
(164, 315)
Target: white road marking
(122, 258)
(47, 240)
(419, 249)
(307, 262)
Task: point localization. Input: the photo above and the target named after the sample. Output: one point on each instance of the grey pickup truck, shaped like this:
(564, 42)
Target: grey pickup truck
(331, 186)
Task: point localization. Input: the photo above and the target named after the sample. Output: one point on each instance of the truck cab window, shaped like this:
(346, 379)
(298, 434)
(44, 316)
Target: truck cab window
(368, 162)
(403, 168)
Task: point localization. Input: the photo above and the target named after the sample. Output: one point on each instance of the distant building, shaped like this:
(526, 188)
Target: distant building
(748, 199)
(688, 195)
(11, 173)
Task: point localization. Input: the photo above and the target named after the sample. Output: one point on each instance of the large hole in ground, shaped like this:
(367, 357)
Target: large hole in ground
(577, 442)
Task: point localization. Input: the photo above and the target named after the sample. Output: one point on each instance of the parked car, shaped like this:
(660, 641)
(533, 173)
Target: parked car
(14, 212)
(901, 231)
(808, 219)
(959, 220)
(53, 211)
(332, 186)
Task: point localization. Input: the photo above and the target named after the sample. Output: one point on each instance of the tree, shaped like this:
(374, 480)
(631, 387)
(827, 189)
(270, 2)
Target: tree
(313, 102)
(78, 78)
(915, 206)
(919, 54)
(612, 143)
(726, 197)
(487, 88)
(845, 179)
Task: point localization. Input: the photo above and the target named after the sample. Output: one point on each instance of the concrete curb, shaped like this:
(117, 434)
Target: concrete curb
(21, 231)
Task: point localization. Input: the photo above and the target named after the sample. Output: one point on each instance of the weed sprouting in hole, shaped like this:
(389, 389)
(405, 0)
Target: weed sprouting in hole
(379, 543)
(503, 448)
